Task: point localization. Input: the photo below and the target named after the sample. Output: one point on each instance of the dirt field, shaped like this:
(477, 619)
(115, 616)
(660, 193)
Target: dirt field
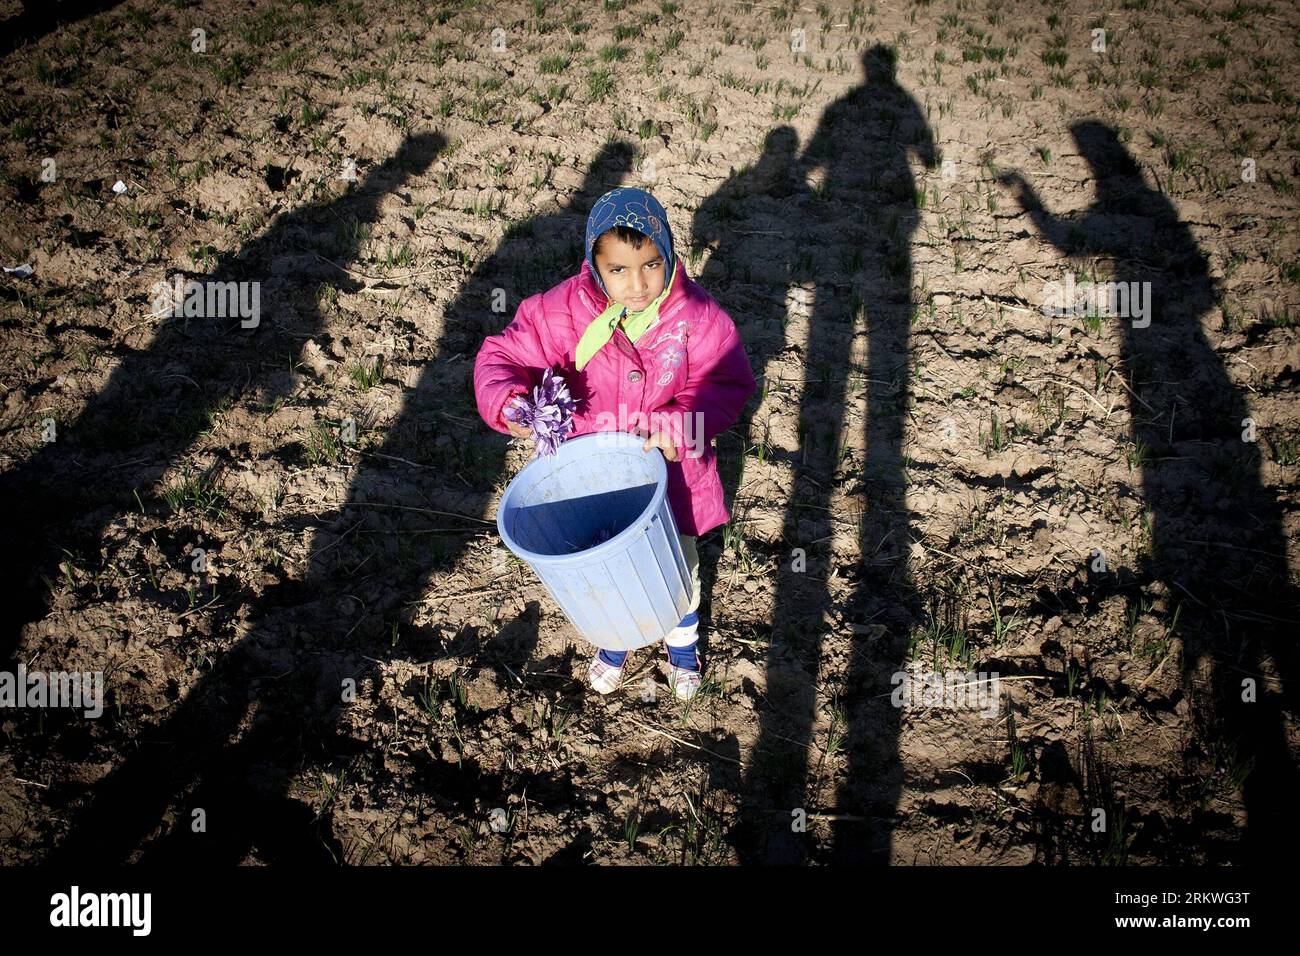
(936, 475)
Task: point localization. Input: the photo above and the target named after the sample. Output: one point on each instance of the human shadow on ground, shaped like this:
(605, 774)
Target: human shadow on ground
(865, 207)
(160, 399)
(749, 273)
(1217, 543)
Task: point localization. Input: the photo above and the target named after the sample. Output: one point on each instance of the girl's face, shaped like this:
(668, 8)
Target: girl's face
(633, 277)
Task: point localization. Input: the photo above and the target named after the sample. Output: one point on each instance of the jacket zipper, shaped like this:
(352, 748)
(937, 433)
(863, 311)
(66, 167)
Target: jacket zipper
(625, 344)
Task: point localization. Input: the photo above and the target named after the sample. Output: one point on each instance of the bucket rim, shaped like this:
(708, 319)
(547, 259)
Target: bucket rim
(605, 548)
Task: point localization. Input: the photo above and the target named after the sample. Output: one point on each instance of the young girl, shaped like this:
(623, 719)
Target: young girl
(639, 343)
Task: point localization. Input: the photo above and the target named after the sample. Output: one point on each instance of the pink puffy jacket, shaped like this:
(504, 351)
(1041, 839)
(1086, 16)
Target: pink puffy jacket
(687, 374)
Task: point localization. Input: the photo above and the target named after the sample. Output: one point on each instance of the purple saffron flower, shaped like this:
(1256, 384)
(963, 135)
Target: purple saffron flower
(549, 413)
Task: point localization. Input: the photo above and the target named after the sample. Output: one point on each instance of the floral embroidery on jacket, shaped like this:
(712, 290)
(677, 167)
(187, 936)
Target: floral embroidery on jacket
(671, 357)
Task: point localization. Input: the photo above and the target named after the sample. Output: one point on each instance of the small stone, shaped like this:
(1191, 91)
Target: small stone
(314, 358)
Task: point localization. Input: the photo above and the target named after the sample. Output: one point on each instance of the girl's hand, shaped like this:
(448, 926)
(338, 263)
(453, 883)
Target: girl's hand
(664, 443)
(518, 431)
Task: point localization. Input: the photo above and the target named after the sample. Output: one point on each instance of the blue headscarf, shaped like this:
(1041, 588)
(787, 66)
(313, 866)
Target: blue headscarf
(636, 209)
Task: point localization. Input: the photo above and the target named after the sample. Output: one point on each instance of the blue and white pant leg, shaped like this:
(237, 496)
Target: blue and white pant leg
(682, 640)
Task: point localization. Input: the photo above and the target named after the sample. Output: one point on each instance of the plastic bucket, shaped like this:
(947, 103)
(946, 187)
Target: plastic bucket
(594, 523)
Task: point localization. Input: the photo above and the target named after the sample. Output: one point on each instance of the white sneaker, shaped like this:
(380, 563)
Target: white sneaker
(685, 683)
(604, 678)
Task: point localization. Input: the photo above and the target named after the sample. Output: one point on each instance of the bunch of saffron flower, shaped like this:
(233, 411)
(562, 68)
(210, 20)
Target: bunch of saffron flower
(549, 413)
